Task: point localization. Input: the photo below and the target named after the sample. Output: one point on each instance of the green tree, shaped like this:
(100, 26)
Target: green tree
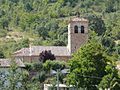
(28, 7)
(14, 76)
(58, 43)
(92, 67)
(97, 24)
(46, 55)
(111, 80)
(87, 66)
(2, 54)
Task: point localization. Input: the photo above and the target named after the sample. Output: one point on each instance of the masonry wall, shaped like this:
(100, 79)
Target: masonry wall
(34, 59)
(76, 40)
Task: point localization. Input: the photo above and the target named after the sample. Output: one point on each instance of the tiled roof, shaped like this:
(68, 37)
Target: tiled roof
(7, 63)
(78, 19)
(36, 50)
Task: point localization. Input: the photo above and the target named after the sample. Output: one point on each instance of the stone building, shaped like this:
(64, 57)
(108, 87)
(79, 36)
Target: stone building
(77, 36)
(6, 63)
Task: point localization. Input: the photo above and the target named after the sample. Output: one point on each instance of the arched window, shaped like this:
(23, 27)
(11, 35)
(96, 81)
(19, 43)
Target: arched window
(76, 29)
(82, 29)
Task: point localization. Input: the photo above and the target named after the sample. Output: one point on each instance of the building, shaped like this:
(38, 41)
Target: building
(77, 36)
(7, 71)
(61, 87)
(6, 63)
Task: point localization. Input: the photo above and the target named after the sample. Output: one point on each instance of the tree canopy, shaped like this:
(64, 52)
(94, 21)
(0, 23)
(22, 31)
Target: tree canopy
(89, 67)
(44, 22)
(46, 55)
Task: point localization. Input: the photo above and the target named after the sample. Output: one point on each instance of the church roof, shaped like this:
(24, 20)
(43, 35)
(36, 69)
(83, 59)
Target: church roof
(77, 19)
(36, 50)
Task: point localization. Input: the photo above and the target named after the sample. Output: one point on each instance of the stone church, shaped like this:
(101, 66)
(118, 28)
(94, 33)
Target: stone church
(77, 36)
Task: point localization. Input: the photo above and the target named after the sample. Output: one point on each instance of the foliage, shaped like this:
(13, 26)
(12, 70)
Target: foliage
(58, 43)
(46, 55)
(54, 65)
(97, 24)
(89, 67)
(2, 54)
(16, 78)
(47, 20)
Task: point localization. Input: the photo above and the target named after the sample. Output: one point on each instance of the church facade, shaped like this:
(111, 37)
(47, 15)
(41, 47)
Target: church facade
(77, 36)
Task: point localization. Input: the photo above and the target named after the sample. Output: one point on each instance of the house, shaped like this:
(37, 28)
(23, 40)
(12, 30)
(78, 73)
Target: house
(77, 36)
(61, 87)
(6, 63)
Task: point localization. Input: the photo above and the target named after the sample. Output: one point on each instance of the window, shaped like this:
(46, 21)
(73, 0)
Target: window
(82, 29)
(76, 29)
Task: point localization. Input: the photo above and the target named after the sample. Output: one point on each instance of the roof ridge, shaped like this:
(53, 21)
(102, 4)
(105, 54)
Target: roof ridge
(48, 46)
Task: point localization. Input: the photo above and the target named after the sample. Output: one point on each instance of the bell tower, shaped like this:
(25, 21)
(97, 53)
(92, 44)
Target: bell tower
(77, 33)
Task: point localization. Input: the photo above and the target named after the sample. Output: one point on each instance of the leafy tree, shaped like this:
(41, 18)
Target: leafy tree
(28, 7)
(3, 33)
(46, 55)
(87, 66)
(97, 24)
(58, 43)
(91, 66)
(55, 65)
(5, 24)
(109, 44)
(14, 76)
(110, 6)
(2, 13)
(23, 44)
(14, 1)
(111, 80)
(2, 54)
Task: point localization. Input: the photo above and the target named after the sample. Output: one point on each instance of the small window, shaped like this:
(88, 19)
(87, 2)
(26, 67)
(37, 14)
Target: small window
(76, 29)
(82, 29)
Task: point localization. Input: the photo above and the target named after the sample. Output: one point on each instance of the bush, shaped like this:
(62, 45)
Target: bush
(3, 33)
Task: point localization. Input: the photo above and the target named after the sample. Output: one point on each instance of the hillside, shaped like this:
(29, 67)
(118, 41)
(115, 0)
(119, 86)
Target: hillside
(44, 22)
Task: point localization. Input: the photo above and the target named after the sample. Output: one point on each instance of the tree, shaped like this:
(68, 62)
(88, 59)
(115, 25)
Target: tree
(90, 67)
(97, 24)
(23, 43)
(54, 65)
(110, 6)
(2, 54)
(111, 80)
(87, 66)
(58, 43)
(46, 55)
(14, 76)
(28, 7)
(57, 66)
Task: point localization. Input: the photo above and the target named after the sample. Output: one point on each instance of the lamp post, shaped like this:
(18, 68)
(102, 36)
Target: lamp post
(57, 74)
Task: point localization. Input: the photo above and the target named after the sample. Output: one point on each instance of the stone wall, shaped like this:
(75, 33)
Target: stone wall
(33, 59)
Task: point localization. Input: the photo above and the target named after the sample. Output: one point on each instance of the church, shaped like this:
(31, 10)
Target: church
(77, 36)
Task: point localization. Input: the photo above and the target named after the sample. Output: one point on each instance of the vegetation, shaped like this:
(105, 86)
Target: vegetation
(44, 22)
(46, 55)
(92, 67)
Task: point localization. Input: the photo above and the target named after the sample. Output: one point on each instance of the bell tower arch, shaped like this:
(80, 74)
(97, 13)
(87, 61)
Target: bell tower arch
(77, 33)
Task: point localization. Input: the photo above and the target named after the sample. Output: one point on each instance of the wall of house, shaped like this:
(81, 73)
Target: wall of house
(33, 59)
